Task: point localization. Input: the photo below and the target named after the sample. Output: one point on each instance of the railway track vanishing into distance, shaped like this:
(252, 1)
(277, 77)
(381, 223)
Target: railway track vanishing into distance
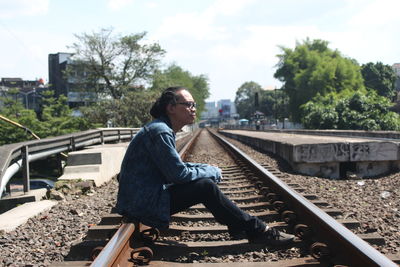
(195, 237)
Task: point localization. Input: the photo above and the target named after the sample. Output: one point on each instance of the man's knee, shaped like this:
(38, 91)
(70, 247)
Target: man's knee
(206, 185)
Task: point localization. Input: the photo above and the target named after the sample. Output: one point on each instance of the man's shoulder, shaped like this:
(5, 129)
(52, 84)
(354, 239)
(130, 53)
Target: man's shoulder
(158, 126)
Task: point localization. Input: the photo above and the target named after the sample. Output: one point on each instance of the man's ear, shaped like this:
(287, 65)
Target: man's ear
(170, 109)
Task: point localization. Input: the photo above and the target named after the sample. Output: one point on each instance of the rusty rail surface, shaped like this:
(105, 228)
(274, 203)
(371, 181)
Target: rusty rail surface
(328, 240)
(113, 254)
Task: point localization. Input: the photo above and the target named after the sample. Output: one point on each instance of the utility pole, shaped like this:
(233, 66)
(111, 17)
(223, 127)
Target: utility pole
(276, 108)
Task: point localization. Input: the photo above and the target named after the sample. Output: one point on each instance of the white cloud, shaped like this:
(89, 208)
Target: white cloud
(201, 25)
(29, 55)
(190, 25)
(151, 4)
(227, 7)
(16, 8)
(377, 13)
(118, 4)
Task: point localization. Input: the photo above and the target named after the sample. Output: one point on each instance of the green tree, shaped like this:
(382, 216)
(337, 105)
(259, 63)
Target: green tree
(176, 76)
(246, 97)
(112, 64)
(130, 111)
(55, 119)
(380, 77)
(274, 103)
(312, 68)
(361, 110)
(14, 110)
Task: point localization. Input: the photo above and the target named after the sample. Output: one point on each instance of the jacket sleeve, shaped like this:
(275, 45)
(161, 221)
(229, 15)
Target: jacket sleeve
(163, 152)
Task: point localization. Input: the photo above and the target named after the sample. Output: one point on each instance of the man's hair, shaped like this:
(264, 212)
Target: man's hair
(168, 96)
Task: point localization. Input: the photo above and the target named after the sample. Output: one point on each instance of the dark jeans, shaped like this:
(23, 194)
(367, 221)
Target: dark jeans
(205, 191)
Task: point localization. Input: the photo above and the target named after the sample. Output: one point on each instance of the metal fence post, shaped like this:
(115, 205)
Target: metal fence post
(8, 188)
(25, 168)
(59, 164)
(72, 142)
(102, 137)
(119, 136)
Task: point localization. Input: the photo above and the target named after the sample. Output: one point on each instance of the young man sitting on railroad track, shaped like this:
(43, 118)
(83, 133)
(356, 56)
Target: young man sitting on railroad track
(155, 183)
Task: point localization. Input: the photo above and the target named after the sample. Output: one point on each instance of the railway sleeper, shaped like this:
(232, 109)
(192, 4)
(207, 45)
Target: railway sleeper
(227, 188)
(246, 191)
(216, 229)
(349, 223)
(232, 172)
(245, 206)
(173, 249)
(264, 215)
(101, 232)
(332, 211)
(83, 250)
(372, 238)
(236, 181)
(310, 196)
(247, 199)
(71, 264)
(111, 219)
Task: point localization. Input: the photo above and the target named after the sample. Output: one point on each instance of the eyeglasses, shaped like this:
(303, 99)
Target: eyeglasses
(190, 105)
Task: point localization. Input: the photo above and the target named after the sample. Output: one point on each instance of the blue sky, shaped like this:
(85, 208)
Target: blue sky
(230, 41)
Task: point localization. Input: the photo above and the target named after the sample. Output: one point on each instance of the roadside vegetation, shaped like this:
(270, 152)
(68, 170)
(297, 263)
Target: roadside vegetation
(322, 89)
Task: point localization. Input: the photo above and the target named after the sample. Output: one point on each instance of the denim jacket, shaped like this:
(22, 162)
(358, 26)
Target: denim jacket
(151, 163)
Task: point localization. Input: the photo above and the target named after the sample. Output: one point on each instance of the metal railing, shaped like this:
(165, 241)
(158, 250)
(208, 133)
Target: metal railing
(13, 157)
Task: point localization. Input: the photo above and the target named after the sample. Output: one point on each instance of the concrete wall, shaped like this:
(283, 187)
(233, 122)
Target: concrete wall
(367, 159)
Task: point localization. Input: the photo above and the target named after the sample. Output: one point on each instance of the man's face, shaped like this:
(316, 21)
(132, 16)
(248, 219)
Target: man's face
(183, 112)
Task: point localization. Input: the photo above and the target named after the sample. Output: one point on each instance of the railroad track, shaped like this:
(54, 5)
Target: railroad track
(194, 236)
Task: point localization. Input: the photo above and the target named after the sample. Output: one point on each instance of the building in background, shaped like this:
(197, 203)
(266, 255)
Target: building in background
(25, 91)
(396, 68)
(225, 109)
(68, 85)
(210, 111)
(221, 111)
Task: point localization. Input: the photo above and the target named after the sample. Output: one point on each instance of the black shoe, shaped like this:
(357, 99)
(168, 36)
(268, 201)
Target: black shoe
(272, 237)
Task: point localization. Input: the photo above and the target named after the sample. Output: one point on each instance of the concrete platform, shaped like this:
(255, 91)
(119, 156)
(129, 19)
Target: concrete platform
(98, 163)
(18, 198)
(11, 219)
(326, 156)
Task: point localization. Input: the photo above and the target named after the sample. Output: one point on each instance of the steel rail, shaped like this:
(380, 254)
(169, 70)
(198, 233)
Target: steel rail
(113, 253)
(352, 248)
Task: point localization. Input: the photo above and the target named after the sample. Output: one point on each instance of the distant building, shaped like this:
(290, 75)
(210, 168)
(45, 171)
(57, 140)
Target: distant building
(210, 111)
(68, 86)
(222, 109)
(57, 66)
(396, 68)
(28, 91)
(225, 108)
